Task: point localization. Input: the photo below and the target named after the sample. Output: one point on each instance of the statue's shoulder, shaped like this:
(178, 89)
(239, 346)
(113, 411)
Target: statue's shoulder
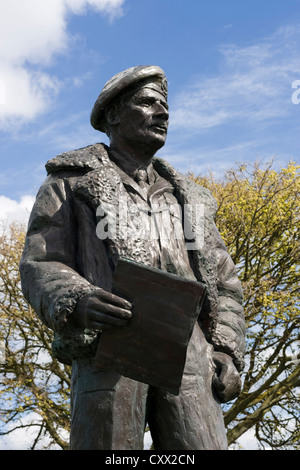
(188, 189)
(82, 159)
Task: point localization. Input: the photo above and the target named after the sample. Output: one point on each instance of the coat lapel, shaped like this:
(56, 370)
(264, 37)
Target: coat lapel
(103, 190)
(204, 259)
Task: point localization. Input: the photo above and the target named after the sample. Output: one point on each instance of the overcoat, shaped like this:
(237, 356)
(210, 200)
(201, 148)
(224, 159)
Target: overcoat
(64, 259)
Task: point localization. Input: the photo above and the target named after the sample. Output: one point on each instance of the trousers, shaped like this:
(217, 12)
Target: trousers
(110, 412)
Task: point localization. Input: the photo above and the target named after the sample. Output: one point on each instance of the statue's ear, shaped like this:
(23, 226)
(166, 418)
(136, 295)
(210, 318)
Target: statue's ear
(112, 115)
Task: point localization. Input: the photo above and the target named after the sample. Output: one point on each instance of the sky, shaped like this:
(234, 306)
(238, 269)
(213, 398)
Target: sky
(233, 71)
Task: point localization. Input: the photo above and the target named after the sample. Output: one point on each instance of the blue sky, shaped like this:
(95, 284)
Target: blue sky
(230, 66)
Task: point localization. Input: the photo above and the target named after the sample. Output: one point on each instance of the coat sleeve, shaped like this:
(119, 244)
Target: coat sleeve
(222, 316)
(50, 282)
(228, 333)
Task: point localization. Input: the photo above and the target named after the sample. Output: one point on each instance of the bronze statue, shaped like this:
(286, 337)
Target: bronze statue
(73, 245)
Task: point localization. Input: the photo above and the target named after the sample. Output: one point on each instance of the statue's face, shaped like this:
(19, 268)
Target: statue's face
(144, 118)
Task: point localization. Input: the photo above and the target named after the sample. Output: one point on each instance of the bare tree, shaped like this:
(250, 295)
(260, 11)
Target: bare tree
(35, 387)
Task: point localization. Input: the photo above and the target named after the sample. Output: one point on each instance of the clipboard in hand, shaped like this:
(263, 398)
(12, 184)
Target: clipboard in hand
(151, 347)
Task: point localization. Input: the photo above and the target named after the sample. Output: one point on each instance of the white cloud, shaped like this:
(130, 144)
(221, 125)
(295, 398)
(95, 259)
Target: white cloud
(253, 85)
(32, 33)
(27, 93)
(203, 159)
(112, 8)
(15, 211)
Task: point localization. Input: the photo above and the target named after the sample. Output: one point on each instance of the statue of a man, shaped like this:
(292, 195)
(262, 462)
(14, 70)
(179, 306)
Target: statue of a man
(67, 273)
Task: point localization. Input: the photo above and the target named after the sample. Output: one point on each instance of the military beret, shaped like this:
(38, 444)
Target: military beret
(122, 81)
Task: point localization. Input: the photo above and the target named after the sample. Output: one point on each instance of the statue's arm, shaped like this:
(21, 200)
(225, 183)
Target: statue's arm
(49, 279)
(228, 336)
(223, 314)
(229, 330)
(225, 326)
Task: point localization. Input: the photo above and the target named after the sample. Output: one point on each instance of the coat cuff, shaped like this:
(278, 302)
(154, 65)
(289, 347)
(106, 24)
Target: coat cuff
(70, 341)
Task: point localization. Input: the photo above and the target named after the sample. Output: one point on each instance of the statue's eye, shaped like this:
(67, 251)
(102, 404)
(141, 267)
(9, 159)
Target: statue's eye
(147, 102)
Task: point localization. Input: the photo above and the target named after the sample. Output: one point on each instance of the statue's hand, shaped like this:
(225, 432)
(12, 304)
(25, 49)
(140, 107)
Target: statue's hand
(227, 382)
(102, 311)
